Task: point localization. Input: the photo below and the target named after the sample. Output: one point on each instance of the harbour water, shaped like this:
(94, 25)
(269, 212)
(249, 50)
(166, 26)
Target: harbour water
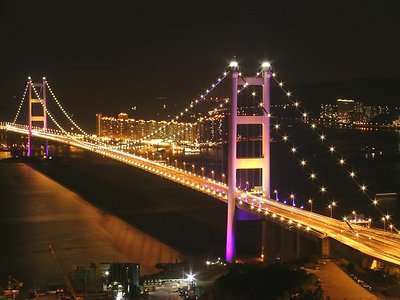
(374, 156)
(36, 211)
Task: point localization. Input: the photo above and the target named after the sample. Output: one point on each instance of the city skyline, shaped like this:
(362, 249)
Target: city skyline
(135, 53)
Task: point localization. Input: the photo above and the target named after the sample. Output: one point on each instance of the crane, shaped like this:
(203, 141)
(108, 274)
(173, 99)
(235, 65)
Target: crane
(67, 280)
(13, 286)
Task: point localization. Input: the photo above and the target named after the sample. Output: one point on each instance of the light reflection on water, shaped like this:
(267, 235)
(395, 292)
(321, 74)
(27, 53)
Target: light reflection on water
(5, 154)
(379, 172)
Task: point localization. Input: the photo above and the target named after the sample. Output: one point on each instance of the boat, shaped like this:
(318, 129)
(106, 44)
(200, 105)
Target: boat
(191, 150)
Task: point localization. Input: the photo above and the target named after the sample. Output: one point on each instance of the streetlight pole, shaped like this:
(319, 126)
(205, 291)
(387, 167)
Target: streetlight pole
(184, 166)
(384, 219)
(276, 195)
(212, 174)
(333, 203)
(310, 202)
(292, 197)
(355, 215)
(202, 171)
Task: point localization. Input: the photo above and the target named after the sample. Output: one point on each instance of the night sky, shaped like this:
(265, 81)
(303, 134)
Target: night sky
(107, 56)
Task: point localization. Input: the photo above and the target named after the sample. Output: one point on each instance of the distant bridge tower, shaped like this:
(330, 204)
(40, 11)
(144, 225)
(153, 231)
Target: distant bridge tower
(235, 163)
(37, 111)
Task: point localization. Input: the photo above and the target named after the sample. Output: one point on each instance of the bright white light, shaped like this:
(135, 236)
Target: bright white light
(234, 64)
(265, 64)
(190, 277)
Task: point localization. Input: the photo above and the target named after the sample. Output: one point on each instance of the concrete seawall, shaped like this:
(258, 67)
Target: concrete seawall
(35, 212)
(131, 242)
(135, 244)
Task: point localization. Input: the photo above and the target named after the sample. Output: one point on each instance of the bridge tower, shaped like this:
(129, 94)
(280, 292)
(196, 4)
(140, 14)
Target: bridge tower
(235, 163)
(37, 111)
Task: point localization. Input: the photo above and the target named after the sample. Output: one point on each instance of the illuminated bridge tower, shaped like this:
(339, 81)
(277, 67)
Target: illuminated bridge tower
(235, 163)
(37, 111)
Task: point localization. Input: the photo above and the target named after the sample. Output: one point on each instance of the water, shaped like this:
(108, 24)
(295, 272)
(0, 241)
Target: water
(35, 212)
(380, 173)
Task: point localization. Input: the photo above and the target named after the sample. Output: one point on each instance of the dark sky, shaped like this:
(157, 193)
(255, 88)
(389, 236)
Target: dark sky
(105, 56)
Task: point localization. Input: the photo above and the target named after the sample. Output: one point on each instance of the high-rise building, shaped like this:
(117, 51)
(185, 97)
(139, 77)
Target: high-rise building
(328, 113)
(345, 109)
(212, 127)
(124, 127)
(350, 112)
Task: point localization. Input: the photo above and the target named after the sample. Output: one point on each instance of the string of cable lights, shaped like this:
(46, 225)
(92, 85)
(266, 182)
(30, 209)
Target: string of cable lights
(304, 163)
(65, 112)
(341, 160)
(21, 102)
(177, 134)
(186, 110)
(46, 109)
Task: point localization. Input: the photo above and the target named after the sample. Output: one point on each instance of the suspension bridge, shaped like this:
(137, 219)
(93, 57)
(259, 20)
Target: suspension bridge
(376, 243)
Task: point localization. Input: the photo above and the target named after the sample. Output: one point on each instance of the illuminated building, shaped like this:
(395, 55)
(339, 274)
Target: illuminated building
(211, 128)
(328, 113)
(345, 109)
(350, 112)
(123, 127)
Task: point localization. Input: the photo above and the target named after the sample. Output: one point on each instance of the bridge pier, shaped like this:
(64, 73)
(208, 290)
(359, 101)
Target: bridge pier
(325, 247)
(264, 240)
(298, 245)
